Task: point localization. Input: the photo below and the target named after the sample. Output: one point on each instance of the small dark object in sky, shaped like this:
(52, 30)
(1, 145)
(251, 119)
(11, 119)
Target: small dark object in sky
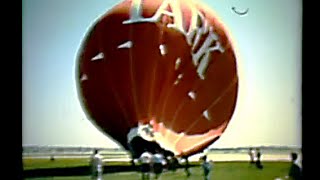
(240, 13)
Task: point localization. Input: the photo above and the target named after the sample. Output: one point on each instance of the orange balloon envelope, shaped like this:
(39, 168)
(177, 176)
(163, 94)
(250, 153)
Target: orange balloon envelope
(163, 70)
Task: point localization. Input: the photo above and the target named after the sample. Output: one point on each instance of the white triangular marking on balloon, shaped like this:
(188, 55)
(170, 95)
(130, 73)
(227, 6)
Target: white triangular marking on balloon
(192, 95)
(178, 62)
(206, 115)
(98, 57)
(163, 49)
(127, 44)
(178, 79)
(168, 14)
(84, 77)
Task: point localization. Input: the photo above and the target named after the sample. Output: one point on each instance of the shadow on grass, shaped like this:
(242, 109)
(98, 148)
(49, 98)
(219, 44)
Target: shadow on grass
(80, 171)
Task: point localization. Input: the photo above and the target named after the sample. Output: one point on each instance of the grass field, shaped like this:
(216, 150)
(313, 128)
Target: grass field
(220, 171)
(29, 163)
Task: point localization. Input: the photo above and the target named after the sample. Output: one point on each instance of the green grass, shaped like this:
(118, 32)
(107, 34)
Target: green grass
(220, 171)
(29, 163)
(57, 163)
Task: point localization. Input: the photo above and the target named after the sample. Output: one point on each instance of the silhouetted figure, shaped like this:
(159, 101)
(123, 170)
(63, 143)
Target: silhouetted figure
(173, 163)
(146, 161)
(186, 166)
(251, 154)
(52, 158)
(96, 164)
(258, 161)
(133, 164)
(295, 171)
(158, 163)
(206, 166)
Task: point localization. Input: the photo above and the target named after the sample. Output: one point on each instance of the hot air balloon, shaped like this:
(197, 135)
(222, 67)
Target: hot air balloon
(158, 74)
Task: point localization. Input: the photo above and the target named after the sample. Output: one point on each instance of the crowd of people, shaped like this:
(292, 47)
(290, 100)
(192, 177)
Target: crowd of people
(149, 164)
(154, 164)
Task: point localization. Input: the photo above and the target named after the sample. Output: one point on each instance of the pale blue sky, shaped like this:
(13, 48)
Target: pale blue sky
(269, 41)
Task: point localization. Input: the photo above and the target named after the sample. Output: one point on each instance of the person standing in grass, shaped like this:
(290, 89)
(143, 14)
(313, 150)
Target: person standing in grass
(251, 154)
(173, 163)
(206, 166)
(186, 166)
(158, 163)
(146, 163)
(96, 164)
(258, 160)
(295, 170)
